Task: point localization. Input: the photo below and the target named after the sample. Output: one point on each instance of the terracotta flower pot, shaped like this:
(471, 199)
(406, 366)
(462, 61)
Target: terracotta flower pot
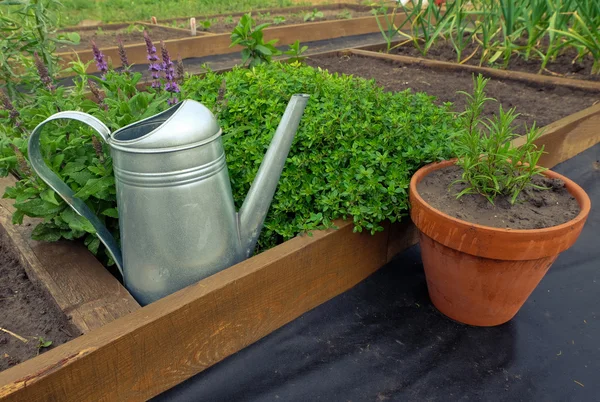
(482, 275)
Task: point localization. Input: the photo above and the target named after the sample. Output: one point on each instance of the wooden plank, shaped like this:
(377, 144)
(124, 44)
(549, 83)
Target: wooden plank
(200, 46)
(568, 136)
(166, 342)
(528, 78)
(68, 272)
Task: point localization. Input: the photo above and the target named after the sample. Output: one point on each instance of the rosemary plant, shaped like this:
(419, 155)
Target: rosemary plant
(491, 165)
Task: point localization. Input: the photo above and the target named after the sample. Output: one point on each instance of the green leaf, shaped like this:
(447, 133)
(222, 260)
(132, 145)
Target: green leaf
(38, 207)
(76, 221)
(112, 212)
(45, 232)
(264, 50)
(48, 195)
(95, 186)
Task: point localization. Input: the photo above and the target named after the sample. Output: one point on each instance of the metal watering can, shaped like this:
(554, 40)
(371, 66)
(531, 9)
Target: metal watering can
(178, 222)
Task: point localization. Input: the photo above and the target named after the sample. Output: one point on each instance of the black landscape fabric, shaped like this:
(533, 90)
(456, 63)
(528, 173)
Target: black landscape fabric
(383, 339)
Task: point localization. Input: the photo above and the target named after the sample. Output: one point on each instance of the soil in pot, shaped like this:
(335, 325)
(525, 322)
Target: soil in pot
(543, 104)
(563, 66)
(534, 208)
(27, 313)
(131, 34)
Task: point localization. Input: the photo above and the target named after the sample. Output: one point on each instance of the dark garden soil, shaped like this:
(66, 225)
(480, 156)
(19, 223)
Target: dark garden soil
(563, 66)
(534, 208)
(225, 23)
(129, 35)
(27, 313)
(540, 104)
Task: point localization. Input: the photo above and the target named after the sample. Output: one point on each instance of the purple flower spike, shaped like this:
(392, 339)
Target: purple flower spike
(43, 72)
(100, 60)
(154, 67)
(167, 65)
(122, 53)
(13, 114)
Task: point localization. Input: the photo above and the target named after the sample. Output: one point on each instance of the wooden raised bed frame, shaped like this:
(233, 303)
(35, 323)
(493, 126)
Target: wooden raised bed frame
(159, 346)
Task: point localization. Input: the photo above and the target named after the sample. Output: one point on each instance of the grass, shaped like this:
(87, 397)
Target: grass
(109, 11)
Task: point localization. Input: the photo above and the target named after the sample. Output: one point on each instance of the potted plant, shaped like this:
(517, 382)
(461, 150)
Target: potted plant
(491, 221)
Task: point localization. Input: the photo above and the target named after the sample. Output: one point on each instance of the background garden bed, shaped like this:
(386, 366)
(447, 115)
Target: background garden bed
(563, 66)
(536, 102)
(131, 34)
(219, 44)
(224, 23)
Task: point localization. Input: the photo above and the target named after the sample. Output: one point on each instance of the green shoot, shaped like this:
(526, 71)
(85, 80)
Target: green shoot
(491, 165)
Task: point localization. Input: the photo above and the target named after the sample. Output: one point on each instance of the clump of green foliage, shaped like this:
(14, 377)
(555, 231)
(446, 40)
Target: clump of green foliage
(256, 51)
(353, 155)
(313, 15)
(251, 37)
(28, 27)
(500, 30)
(491, 166)
(355, 151)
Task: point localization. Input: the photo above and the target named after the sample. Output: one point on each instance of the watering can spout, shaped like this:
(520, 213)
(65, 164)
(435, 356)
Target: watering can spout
(256, 205)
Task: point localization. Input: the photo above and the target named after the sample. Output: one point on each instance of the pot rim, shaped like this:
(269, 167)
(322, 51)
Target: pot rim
(574, 189)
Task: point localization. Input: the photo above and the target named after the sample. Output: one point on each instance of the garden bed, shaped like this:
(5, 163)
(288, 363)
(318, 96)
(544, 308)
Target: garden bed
(537, 102)
(130, 34)
(224, 23)
(219, 44)
(563, 66)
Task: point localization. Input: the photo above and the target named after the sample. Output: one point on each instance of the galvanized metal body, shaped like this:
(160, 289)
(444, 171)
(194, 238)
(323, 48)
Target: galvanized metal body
(177, 217)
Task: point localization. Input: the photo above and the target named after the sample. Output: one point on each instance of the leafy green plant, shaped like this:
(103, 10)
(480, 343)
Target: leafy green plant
(278, 20)
(584, 32)
(388, 28)
(461, 29)
(206, 24)
(296, 51)
(133, 28)
(256, 51)
(313, 15)
(491, 165)
(344, 15)
(28, 27)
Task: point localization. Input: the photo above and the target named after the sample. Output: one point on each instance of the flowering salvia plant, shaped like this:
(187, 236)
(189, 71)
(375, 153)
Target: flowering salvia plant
(154, 67)
(171, 84)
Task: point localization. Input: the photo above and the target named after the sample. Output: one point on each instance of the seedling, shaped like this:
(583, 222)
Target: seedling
(344, 15)
(42, 344)
(296, 51)
(278, 20)
(313, 15)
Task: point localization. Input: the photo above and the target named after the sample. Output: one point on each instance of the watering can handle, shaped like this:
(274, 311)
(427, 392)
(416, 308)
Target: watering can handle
(38, 164)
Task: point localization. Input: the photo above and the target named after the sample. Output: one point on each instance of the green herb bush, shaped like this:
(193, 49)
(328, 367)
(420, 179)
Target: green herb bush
(353, 156)
(491, 166)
